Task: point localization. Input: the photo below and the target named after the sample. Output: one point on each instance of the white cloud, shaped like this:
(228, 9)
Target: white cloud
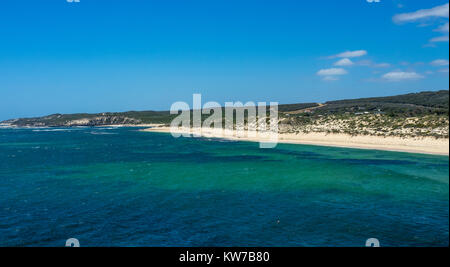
(344, 62)
(331, 72)
(439, 39)
(351, 54)
(435, 12)
(438, 12)
(443, 70)
(440, 62)
(443, 28)
(398, 76)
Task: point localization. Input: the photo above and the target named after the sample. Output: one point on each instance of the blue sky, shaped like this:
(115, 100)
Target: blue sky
(118, 55)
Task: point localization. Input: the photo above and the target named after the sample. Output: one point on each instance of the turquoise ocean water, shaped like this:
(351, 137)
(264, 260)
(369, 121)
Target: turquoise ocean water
(122, 187)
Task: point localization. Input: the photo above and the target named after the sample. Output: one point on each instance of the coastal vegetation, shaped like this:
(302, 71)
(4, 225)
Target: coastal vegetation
(424, 114)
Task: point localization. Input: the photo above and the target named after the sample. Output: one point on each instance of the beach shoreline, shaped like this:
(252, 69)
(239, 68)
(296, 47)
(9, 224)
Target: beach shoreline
(425, 145)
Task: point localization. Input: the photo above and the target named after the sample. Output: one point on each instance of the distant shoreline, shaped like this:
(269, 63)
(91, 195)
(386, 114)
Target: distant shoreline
(9, 126)
(422, 145)
(425, 145)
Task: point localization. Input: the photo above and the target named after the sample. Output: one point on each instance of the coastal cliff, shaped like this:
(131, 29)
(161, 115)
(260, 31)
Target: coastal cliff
(59, 120)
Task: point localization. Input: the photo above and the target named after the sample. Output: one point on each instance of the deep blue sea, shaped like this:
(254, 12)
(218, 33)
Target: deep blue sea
(123, 187)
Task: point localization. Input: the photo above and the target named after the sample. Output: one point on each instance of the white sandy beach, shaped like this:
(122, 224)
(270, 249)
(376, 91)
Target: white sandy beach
(426, 145)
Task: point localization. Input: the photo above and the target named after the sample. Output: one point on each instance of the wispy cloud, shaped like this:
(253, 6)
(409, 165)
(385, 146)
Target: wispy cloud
(440, 62)
(435, 12)
(345, 62)
(350, 54)
(381, 65)
(370, 63)
(439, 39)
(330, 78)
(443, 28)
(438, 12)
(398, 76)
(331, 74)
